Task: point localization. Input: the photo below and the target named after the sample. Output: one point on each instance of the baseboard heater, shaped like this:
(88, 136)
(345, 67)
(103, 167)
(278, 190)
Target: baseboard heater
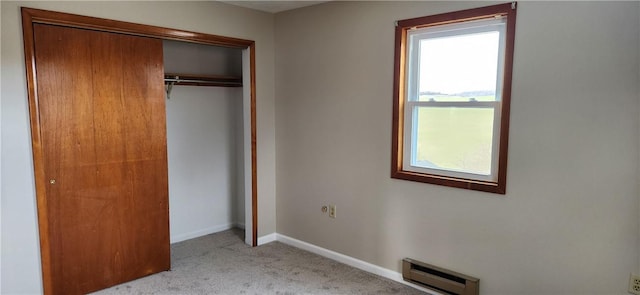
(439, 279)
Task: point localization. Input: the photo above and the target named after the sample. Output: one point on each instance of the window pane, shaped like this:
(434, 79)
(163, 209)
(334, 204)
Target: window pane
(451, 138)
(459, 68)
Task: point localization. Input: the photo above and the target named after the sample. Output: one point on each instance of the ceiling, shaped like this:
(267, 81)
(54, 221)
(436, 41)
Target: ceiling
(273, 6)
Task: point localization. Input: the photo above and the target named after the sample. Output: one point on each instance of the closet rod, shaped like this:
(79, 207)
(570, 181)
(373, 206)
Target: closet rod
(171, 79)
(202, 80)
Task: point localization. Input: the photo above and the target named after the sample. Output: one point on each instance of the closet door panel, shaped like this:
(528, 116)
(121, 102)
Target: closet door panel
(102, 124)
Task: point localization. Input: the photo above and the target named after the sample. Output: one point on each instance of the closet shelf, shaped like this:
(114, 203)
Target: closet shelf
(202, 80)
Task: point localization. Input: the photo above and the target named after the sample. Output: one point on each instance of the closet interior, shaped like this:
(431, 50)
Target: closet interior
(205, 138)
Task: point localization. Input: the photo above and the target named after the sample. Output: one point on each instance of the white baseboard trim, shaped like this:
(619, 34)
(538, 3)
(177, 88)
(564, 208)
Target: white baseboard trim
(267, 239)
(239, 225)
(201, 232)
(348, 260)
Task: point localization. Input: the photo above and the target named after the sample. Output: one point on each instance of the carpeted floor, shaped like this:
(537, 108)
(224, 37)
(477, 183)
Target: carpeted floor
(222, 264)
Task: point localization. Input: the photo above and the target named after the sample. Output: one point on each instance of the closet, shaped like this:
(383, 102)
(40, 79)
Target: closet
(204, 138)
(128, 155)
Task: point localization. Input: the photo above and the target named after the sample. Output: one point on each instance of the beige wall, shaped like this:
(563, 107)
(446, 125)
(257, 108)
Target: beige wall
(20, 250)
(569, 221)
(568, 224)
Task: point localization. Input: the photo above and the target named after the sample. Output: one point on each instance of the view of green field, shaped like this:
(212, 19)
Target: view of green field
(444, 97)
(455, 138)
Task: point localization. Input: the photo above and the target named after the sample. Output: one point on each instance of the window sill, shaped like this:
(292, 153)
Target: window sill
(485, 186)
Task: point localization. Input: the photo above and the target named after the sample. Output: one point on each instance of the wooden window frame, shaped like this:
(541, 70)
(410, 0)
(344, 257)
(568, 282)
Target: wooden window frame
(506, 10)
(31, 16)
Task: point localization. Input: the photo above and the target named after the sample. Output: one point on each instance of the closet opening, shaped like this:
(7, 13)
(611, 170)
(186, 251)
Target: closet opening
(206, 139)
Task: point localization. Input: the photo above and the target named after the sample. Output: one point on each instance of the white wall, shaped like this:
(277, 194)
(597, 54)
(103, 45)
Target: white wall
(192, 58)
(20, 250)
(569, 221)
(202, 142)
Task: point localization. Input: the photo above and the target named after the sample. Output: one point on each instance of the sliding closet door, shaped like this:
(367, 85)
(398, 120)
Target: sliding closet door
(102, 118)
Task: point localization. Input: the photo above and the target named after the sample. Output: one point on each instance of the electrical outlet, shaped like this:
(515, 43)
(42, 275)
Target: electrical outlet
(634, 284)
(332, 211)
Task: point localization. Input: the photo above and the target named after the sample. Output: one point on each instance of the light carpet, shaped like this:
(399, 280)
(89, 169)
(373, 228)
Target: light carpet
(221, 263)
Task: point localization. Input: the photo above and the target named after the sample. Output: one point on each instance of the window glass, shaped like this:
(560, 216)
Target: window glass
(457, 139)
(459, 68)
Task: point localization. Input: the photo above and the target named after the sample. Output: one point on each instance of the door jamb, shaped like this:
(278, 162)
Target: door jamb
(32, 16)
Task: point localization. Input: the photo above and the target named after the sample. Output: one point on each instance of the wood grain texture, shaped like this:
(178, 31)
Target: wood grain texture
(397, 130)
(254, 146)
(506, 100)
(36, 143)
(107, 25)
(457, 16)
(102, 124)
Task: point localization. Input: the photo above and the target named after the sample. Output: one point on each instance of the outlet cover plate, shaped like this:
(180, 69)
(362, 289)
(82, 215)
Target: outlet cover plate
(634, 284)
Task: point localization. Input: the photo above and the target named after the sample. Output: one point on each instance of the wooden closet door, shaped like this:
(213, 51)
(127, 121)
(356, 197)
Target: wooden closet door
(102, 119)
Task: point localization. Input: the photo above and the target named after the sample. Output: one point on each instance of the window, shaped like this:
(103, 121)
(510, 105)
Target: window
(452, 92)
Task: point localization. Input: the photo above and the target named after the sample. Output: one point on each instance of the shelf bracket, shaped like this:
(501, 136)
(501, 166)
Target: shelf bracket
(168, 87)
